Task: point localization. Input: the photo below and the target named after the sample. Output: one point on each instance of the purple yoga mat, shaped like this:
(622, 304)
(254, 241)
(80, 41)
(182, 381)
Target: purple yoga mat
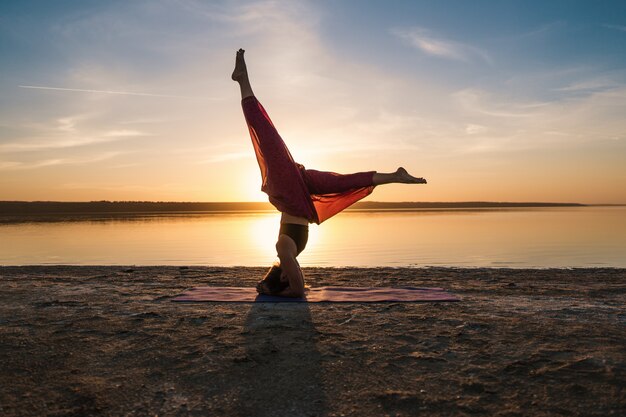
(320, 294)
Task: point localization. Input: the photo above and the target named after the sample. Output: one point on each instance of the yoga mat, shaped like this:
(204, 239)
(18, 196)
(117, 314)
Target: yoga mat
(317, 295)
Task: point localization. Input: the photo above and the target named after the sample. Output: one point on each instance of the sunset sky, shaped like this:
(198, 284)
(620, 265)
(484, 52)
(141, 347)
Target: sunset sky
(488, 100)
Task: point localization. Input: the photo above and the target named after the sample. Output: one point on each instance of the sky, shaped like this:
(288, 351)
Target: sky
(487, 100)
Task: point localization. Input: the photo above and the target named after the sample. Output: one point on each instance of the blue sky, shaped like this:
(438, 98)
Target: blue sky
(489, 100)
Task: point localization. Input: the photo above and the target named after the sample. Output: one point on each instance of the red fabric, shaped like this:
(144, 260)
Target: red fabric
(332, 192)
(291, 188)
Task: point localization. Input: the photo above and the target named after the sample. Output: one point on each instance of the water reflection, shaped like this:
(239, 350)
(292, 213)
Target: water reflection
(547, 237)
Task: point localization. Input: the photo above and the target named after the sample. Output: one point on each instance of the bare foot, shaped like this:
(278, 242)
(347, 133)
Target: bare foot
(240, 73)
(405, 178)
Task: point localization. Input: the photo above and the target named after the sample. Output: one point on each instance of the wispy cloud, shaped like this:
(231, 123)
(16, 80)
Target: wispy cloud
(429, 43)
(67, 134)
(501, 123)
(123, 133)
(19, 165)
(116, 187)
(228, 157)
(66, 124)
(127, 93)
(474, 129)
(621, 28)
(55, 143)
(478, 101)
(540, 31)
(597, 84)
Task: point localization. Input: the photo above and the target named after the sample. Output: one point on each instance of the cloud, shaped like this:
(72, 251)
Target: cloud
(6, 165)
(500, 123)
(621, 28)
(54, 143)
(19, 165)
(228, 157)
(66, 134)
(479, 101)
(66, 124)
(540, 31)
(124, 133)
(127, 93)
(425, 41)
(597, 84)
(474, 129)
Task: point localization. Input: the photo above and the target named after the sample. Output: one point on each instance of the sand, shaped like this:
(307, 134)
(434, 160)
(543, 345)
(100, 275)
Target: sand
(103, 340)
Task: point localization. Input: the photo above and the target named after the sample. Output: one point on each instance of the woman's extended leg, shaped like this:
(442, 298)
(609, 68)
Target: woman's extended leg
(323, 182)
(240, 74)
(399, 177)
(332, 193)
(281, 179)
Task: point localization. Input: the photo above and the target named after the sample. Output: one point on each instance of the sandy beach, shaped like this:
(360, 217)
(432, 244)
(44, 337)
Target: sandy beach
(103, 340)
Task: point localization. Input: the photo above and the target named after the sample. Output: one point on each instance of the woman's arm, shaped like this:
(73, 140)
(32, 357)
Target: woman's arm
(287, 252)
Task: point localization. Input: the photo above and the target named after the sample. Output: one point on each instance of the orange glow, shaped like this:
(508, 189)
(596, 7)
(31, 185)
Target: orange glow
(586, 236)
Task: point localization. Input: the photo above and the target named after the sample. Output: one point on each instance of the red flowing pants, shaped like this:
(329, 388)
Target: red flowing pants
(291, 188)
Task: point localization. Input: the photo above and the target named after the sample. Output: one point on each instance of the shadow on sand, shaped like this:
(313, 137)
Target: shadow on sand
(283, 372)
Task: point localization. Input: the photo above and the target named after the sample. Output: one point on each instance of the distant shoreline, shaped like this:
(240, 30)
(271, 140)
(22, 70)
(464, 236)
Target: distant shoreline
(21, 208)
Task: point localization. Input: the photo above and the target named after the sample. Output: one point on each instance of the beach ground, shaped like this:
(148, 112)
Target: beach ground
(107, 340)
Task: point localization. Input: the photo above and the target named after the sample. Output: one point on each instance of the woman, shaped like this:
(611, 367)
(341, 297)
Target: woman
(302, 195)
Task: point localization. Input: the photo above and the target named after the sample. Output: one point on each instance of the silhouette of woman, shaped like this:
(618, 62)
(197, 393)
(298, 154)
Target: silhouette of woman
(302, 195)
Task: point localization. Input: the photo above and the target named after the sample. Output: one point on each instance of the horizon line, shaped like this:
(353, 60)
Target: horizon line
(268, 204)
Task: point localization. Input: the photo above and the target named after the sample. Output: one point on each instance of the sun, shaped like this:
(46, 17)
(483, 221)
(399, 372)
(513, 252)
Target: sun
(263, 232)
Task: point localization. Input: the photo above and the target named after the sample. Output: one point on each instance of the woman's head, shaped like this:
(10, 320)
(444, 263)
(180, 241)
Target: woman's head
(273, 281)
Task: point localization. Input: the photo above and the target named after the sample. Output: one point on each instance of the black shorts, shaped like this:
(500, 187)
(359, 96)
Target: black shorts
(299, 233)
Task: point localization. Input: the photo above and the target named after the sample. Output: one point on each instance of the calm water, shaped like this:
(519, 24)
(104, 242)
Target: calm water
(546, 237)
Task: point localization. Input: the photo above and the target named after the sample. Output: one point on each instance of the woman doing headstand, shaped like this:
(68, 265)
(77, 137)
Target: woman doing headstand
(302, 195)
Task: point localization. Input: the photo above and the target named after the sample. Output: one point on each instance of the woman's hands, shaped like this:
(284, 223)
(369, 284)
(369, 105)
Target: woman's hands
(261, 288)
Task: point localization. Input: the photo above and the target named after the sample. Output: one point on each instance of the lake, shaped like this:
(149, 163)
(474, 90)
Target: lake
(505, 237)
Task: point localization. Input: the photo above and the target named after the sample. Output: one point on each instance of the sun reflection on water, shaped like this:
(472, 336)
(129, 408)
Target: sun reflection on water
(518, 238)
(263, 232)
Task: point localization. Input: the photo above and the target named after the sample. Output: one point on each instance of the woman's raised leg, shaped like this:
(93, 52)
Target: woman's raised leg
(280, 175)
(323, 182)
(240, 74)
(401, 176)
